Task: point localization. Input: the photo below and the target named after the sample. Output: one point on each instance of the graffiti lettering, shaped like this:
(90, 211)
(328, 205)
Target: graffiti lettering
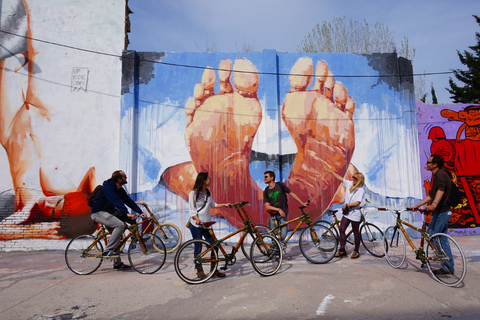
(79, 79)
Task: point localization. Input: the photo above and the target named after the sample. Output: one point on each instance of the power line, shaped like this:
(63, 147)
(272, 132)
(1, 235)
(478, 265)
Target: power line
(220, 69)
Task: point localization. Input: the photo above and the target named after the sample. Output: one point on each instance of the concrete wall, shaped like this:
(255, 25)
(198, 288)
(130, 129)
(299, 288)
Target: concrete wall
(60, 88)
(73, 110)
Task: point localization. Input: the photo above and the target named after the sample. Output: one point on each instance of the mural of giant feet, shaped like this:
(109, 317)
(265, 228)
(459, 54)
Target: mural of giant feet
(221, 127)
(220, 132)
(320, 122)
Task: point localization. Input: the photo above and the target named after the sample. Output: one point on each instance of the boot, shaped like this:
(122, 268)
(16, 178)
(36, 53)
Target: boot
(217, 273)
(200, 272)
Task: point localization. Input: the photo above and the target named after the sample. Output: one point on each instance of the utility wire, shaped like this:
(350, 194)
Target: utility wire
(220, 69)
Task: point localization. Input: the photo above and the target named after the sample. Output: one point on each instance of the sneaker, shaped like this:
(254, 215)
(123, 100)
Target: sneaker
(109, 254)
(440, 272)
(122, 266)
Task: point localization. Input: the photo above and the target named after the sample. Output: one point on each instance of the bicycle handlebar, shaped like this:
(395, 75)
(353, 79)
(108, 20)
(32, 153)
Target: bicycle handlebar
(241, 203)
(308, 203)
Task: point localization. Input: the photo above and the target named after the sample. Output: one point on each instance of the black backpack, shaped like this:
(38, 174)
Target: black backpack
(91, 198)
(455, 197)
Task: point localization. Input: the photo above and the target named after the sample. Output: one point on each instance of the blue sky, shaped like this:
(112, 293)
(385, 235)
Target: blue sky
(435, 28)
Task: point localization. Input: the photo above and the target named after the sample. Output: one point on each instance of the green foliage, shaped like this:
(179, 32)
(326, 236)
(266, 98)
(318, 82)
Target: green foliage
(470, 92)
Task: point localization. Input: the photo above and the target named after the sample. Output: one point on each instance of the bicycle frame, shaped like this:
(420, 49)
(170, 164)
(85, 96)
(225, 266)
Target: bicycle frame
(337, 222)
(304, 218)
(249, 228)
(103, 233)
(419, 252)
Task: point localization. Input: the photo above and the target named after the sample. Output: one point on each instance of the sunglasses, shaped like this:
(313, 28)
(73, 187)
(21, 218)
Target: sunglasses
(266, 177)
(354, 178)
(428, 162)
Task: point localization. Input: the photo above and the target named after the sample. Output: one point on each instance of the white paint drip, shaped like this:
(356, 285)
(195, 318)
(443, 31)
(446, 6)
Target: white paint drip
(323, 306)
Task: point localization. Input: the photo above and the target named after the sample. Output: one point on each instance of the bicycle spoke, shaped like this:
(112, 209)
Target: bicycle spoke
(445, 260)
(394, 247)
(79, 258)
(147, 257)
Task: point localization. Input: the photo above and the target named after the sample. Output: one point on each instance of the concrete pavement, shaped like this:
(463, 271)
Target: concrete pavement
(38, 285)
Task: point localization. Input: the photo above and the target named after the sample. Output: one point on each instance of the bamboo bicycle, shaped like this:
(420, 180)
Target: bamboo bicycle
(316, 242)
(437, 255)
(168, 232)
(266, 257)
(146, 251)
(372, 236)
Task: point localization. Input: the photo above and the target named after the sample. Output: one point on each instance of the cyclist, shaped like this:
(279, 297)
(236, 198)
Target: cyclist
(200, 200)
(109, 209)
(276, 202)
(354, 193)
(436, 202)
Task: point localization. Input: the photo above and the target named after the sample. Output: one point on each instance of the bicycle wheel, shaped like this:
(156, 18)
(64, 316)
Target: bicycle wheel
(394, 247)
(330, 227)
(82, 255)
(186, 264)
(150, 260)
(372, 239)
(443, 253)
(318, 244)
(247, 241)
(170, 235)
(266, 255)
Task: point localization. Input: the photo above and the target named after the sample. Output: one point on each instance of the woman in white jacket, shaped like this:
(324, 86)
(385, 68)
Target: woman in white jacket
(354, 193)
(200, 201)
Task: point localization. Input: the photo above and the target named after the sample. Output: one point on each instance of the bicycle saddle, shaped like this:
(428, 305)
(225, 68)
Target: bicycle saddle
(208, 224)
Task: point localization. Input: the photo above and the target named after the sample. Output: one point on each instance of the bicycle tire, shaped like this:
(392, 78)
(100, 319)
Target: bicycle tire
(266, 255)
(372, 239)
(394, 247)
(435, 262)
(171, 236)
(79, 260)
(152, 259)
(249, 238)
(185, 262)
(318, 244)
(332, 227)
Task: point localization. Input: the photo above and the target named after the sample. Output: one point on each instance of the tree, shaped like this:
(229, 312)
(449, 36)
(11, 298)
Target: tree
(434, 95)
(354, 37)
(358, 37)
(470, 93)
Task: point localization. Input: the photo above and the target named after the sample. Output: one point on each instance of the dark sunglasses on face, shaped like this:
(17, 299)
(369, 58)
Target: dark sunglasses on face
(266, 177)
(428, 162)
(354, 178)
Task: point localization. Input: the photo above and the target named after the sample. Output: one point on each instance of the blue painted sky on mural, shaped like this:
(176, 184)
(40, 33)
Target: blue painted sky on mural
(435, 28)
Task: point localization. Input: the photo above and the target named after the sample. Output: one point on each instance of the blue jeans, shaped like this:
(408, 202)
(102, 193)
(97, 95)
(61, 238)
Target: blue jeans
(197, 233)
(439, 223)
(276, 217)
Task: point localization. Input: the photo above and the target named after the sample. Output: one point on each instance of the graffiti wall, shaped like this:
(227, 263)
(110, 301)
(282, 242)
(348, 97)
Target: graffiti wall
(60, 85)
(453, 131)
(236, 115)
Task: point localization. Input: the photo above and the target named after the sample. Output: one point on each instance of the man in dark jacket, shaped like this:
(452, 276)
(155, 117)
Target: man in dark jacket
(109, 209)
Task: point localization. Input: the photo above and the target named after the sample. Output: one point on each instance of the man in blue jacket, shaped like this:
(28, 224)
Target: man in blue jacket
(109, 209)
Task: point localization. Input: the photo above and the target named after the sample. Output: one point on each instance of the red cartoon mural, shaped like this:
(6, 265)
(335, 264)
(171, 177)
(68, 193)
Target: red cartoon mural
(458, 141)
